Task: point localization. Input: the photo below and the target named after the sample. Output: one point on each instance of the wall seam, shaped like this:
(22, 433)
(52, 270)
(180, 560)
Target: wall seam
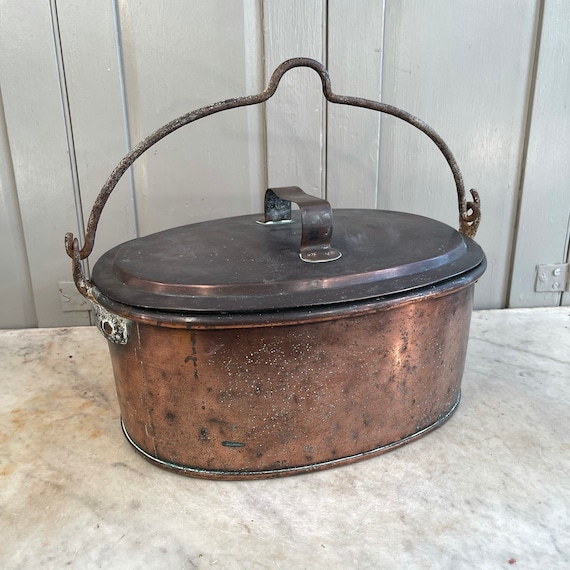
(254, 49)
(124, 103)
(265, 157)
(17, 229)
(380, 95)
(524, 152)
(325, 111)
(68, 124)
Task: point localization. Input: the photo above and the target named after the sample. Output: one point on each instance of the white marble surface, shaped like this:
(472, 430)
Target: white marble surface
(489, 489)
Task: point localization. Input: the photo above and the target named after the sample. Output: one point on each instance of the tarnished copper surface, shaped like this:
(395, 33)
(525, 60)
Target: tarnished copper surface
(286, 399)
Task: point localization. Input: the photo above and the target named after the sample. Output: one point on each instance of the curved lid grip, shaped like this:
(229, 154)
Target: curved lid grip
(316, 219)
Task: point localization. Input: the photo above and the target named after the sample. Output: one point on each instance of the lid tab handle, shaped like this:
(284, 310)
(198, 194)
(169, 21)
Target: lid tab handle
(316, 220)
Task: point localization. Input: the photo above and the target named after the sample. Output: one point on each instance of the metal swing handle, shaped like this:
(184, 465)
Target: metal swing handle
(469, 212)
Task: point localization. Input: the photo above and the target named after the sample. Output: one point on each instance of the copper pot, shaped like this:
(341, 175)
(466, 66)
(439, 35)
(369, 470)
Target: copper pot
(248, 350)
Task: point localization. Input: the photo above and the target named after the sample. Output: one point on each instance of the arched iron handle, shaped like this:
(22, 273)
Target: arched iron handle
(469, 212)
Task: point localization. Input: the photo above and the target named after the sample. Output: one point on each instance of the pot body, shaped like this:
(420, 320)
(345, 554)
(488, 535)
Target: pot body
(296, 396)
(233, 359)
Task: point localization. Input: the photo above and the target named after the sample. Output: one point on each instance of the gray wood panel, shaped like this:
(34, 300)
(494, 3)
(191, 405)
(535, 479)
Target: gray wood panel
(126, 68)
(543, 228)
(355, 49)
(92, 58)
(17, 308)
(40, 152)
(464, 68)
(179, 57)
(295, 115)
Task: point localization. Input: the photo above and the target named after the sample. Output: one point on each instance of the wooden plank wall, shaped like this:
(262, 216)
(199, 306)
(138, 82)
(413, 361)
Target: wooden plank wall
(82, 83)
(33, 95)
(17, 306)
(479, 108)
(543, 229)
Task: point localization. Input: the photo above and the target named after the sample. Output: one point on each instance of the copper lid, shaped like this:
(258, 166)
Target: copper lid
(237, 265)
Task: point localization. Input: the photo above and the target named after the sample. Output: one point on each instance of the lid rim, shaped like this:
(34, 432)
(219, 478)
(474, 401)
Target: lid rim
(289, 316)
(414, 252)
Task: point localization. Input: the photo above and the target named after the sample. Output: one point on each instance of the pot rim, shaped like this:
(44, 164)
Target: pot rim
(286, 317)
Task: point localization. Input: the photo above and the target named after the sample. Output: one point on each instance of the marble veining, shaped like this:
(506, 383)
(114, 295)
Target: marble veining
(489, 489)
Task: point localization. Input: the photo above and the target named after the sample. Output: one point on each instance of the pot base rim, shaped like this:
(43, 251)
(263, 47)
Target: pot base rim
(223, 475)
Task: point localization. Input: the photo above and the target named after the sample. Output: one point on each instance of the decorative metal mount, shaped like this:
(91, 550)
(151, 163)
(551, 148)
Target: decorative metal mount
(112, 327)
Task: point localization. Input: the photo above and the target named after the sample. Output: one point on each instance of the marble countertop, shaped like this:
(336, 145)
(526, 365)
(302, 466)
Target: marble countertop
(489, 489)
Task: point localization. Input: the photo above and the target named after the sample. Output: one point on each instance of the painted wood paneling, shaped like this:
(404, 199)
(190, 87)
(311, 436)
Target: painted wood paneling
(543, 228)
(17, 308)
(127, 67)
(179, 57)
(295, 115)
(355, 44)
(464, 68)
(37, 133)
(91, 55)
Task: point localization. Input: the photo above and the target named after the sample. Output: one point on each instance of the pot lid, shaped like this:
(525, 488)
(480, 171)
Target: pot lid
(236, 265)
